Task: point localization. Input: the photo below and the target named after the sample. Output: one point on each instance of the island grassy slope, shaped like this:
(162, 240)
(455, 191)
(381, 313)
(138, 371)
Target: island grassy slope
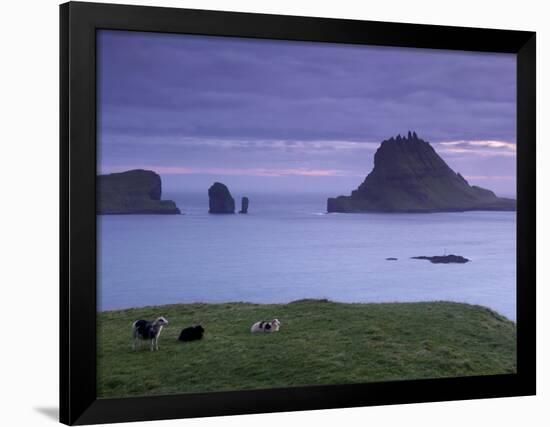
(320, 342)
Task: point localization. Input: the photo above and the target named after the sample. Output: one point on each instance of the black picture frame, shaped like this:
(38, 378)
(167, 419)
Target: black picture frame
(78, 24)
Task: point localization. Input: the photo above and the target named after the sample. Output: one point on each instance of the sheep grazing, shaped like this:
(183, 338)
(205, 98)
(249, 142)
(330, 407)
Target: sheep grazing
(145, 330)
(263, 326)
(192, 333)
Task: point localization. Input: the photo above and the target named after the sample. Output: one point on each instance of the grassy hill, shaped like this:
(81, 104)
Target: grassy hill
(320, 342)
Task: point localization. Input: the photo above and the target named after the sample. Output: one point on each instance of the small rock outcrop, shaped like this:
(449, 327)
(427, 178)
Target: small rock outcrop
(409, 176)
(135, 191)
(244, 205)
(444, 259)
(220, 200)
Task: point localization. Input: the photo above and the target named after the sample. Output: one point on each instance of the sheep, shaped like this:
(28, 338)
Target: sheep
(192, 333)
(146, 330)
(264, 326)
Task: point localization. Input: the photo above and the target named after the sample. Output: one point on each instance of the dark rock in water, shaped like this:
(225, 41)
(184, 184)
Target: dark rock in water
(132, 192)
(391, 259)
(244, 205)
(220, 199)
(444, 259)
(409, 176)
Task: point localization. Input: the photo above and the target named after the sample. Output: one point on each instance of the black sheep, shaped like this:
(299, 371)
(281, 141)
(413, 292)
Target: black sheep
(192, 333)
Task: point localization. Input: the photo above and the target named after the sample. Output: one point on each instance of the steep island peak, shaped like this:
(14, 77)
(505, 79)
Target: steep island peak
(409, 176)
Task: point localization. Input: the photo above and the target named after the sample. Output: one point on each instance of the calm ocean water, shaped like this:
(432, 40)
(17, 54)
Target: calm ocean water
(286, 248)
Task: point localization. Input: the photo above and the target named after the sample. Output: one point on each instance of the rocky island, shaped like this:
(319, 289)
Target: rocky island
(220, 200)
(132, 192)
(409, 176)
(444, 259)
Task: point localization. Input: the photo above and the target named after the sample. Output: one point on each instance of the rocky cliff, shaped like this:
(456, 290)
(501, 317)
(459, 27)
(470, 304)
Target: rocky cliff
(220, 200)
(409, 176)
(132, 192)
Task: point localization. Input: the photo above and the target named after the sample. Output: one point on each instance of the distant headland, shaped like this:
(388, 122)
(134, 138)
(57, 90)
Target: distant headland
(138, 191)
(409, 176)
(135, 191)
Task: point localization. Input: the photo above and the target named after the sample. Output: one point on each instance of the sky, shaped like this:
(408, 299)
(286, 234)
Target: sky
(287, 116)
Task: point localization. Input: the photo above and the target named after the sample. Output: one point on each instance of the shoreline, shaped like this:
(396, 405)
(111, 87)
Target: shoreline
(298, 301)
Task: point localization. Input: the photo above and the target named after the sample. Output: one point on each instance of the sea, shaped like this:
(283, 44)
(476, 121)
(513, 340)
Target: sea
(288, 248)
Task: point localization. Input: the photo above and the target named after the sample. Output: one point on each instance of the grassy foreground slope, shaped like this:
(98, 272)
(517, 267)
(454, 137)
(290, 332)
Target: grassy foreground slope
(320, 342)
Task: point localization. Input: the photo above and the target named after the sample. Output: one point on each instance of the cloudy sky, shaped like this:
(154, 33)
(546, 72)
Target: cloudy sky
(293, 116)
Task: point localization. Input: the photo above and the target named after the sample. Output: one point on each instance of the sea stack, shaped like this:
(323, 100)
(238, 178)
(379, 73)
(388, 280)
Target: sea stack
(220, 200)
(409, 176)
(244, 205)
(135, 191)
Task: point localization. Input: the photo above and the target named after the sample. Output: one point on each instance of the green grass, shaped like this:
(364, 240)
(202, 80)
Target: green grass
(320, 342)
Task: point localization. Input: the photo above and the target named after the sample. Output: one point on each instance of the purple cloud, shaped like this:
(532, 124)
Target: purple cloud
(293, 105)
